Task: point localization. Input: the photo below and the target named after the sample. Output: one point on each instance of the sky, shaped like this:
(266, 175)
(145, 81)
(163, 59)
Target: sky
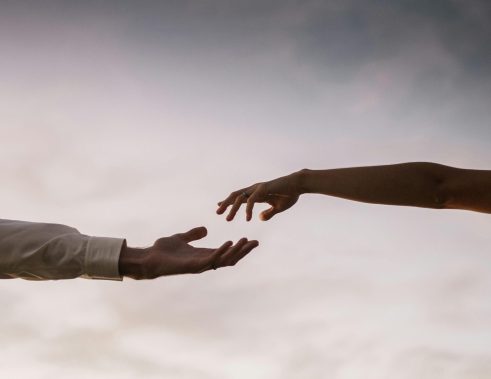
(133, 119)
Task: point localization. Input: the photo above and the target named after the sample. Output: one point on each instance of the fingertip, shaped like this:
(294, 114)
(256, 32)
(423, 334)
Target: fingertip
(267, 214)
(227, 245)
(193, 234)
(202, 231)
(224, 248)
(249, 215)
(253, 242)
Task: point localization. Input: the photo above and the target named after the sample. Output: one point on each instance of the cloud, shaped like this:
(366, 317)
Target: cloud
(432, 363)
(132, 119)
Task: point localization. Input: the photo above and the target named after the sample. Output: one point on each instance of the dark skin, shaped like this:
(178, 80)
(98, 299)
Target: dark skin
(418, 184)
(174, 255)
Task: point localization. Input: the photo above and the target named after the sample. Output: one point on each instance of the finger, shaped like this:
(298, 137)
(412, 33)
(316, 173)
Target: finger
(223, 205)
(222, 249)
(250, 204)
(233, 250)
(238, 202)
(193, 234)
(217, 254)
(268, 213)
(248, 247)
(235, 254)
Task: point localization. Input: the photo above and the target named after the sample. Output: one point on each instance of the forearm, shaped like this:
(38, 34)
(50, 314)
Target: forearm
(131, 262)
(418, 184)
(411, 184)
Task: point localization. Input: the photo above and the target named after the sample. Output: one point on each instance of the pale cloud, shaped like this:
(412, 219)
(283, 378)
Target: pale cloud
(134, 121)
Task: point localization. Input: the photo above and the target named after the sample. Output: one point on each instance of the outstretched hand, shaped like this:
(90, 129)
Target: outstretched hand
(281, 194)
(174, 255)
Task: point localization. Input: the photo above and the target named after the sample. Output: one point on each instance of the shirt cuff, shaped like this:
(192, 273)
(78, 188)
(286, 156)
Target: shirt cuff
(102, 258)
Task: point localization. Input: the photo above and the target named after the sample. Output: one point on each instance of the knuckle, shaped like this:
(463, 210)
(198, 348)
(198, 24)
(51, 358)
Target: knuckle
(261, 186)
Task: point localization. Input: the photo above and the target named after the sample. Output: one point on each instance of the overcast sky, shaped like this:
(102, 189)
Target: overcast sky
(132, 119)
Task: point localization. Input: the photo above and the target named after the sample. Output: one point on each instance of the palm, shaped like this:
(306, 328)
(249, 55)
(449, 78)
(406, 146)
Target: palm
(174, 255)
(179, 256)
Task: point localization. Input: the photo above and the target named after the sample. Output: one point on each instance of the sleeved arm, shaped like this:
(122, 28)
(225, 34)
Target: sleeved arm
(42, 251)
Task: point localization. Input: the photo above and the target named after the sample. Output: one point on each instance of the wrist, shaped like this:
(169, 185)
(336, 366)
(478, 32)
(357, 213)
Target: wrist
(131, 262)
(301, 181)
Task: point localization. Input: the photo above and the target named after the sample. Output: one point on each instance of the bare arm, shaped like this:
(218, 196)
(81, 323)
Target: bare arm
(418, 184)
(426, 185)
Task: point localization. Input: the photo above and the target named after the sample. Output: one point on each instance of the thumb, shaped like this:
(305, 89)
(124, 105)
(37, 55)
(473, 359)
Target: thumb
(268, 214)
(193, 234)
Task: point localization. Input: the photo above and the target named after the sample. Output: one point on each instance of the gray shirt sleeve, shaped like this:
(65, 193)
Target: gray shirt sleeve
(42, 251)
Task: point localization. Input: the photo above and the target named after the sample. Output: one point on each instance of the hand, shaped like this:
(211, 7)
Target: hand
(173, 255)
(281, 194)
